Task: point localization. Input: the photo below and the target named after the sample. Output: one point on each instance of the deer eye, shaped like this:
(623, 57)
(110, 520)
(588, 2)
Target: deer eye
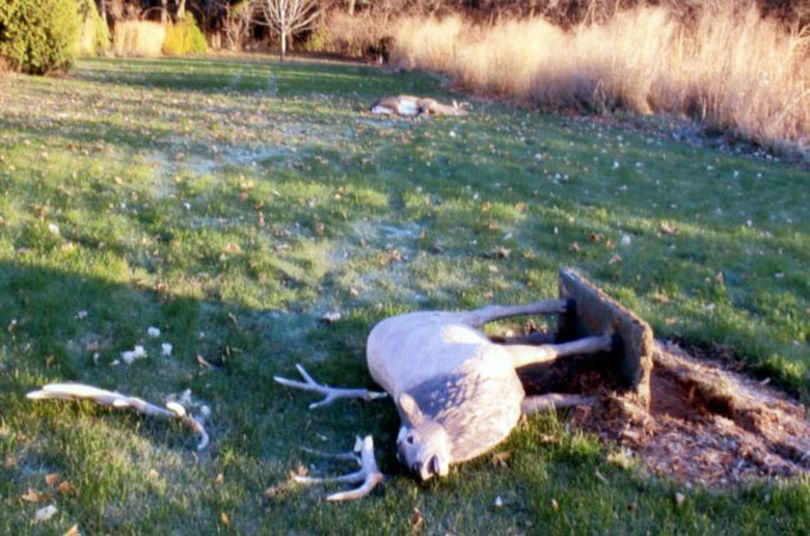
(409, 439)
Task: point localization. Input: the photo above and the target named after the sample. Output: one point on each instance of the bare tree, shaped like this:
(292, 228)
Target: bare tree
(287, 17)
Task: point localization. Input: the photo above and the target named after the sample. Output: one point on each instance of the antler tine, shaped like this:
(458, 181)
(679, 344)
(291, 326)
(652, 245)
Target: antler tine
(305, 374)
(358, 493)
(79, 391)
(330, 393)
(369, 474)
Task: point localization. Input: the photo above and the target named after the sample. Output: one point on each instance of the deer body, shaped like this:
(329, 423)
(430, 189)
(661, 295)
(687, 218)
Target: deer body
(438, 367)
(410, 106)
(457, 392)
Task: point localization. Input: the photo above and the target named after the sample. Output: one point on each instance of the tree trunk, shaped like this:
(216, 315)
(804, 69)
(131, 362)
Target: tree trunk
(351, 7)
(181, 9)
(283, 44)
(164, 13)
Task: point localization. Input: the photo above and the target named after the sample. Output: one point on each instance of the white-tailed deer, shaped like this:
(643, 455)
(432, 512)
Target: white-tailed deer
(457, 392)
(410, 106)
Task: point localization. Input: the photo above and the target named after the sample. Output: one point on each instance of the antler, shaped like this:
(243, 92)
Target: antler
(78, 391)
(330, 393)
(369, 474)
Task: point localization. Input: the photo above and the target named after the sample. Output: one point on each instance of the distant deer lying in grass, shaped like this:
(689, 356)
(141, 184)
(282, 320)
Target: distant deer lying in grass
(457, 392)
(410, 106)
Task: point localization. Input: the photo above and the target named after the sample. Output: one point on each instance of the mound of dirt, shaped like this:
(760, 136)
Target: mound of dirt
(703, 424)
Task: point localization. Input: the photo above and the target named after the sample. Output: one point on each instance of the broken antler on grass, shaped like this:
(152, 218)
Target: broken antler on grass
(330, 393)
(78, 391)
(368, 474)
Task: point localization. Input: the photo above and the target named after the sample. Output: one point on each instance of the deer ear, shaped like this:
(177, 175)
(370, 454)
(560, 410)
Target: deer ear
(410, 409)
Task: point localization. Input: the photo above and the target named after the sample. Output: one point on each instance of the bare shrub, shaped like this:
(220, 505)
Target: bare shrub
(138, 38)
(367, 32)
(732, 70)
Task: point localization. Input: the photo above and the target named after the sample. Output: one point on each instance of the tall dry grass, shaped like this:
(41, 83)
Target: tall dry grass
(138, 38)
(731, 70)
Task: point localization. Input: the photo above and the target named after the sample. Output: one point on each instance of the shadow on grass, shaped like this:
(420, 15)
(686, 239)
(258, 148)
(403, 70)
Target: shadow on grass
(260, 74)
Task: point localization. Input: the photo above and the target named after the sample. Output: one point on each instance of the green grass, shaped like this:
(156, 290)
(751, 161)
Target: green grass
(232, 202)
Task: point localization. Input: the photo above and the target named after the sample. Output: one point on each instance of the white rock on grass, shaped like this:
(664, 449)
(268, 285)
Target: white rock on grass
(130, 356)
(45, 513)
(153, 332)
(166, 349)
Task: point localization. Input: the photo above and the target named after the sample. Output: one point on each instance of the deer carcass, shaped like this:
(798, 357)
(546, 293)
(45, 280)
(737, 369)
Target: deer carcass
(410, 106)
(457, 392)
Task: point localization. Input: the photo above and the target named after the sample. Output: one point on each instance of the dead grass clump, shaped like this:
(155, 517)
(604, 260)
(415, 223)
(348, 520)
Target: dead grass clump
(732, 70)
(138, 38)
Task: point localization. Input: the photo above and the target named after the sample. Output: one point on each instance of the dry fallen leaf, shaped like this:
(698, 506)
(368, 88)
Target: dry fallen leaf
(499, 459)
(220, 479)
(554, 504)
(668, 228)
(32, 496)
(275, 490)
(224, 518)
(417, 521)
(65, 487)
(72, 531)
(52, 479)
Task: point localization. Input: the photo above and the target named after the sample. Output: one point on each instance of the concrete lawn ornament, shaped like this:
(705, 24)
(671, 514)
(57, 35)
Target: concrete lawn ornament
(458, 393)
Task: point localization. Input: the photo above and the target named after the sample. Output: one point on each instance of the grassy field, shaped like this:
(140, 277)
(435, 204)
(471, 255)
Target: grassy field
(232, 202)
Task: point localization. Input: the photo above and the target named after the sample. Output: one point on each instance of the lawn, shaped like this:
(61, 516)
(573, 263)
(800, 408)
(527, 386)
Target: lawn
(232, 202)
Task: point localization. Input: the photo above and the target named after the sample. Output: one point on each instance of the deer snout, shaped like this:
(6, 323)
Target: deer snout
(429, 469)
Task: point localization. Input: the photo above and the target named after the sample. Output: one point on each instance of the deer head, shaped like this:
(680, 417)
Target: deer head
(423, 444)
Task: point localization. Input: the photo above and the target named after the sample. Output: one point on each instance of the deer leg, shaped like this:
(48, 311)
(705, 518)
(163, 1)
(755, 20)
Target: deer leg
(79, 391)
(481, 316)
(536, 404)
(523, 355)
(330, 393)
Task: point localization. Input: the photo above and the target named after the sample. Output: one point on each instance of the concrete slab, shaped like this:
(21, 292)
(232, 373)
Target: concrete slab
(595, 313)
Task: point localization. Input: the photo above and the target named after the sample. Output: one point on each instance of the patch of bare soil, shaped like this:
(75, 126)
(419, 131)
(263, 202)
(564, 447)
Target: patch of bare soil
(703, 424)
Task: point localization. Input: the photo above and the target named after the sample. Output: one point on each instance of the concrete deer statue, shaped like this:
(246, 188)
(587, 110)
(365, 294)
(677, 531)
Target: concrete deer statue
(457, 392)
(410, 106)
